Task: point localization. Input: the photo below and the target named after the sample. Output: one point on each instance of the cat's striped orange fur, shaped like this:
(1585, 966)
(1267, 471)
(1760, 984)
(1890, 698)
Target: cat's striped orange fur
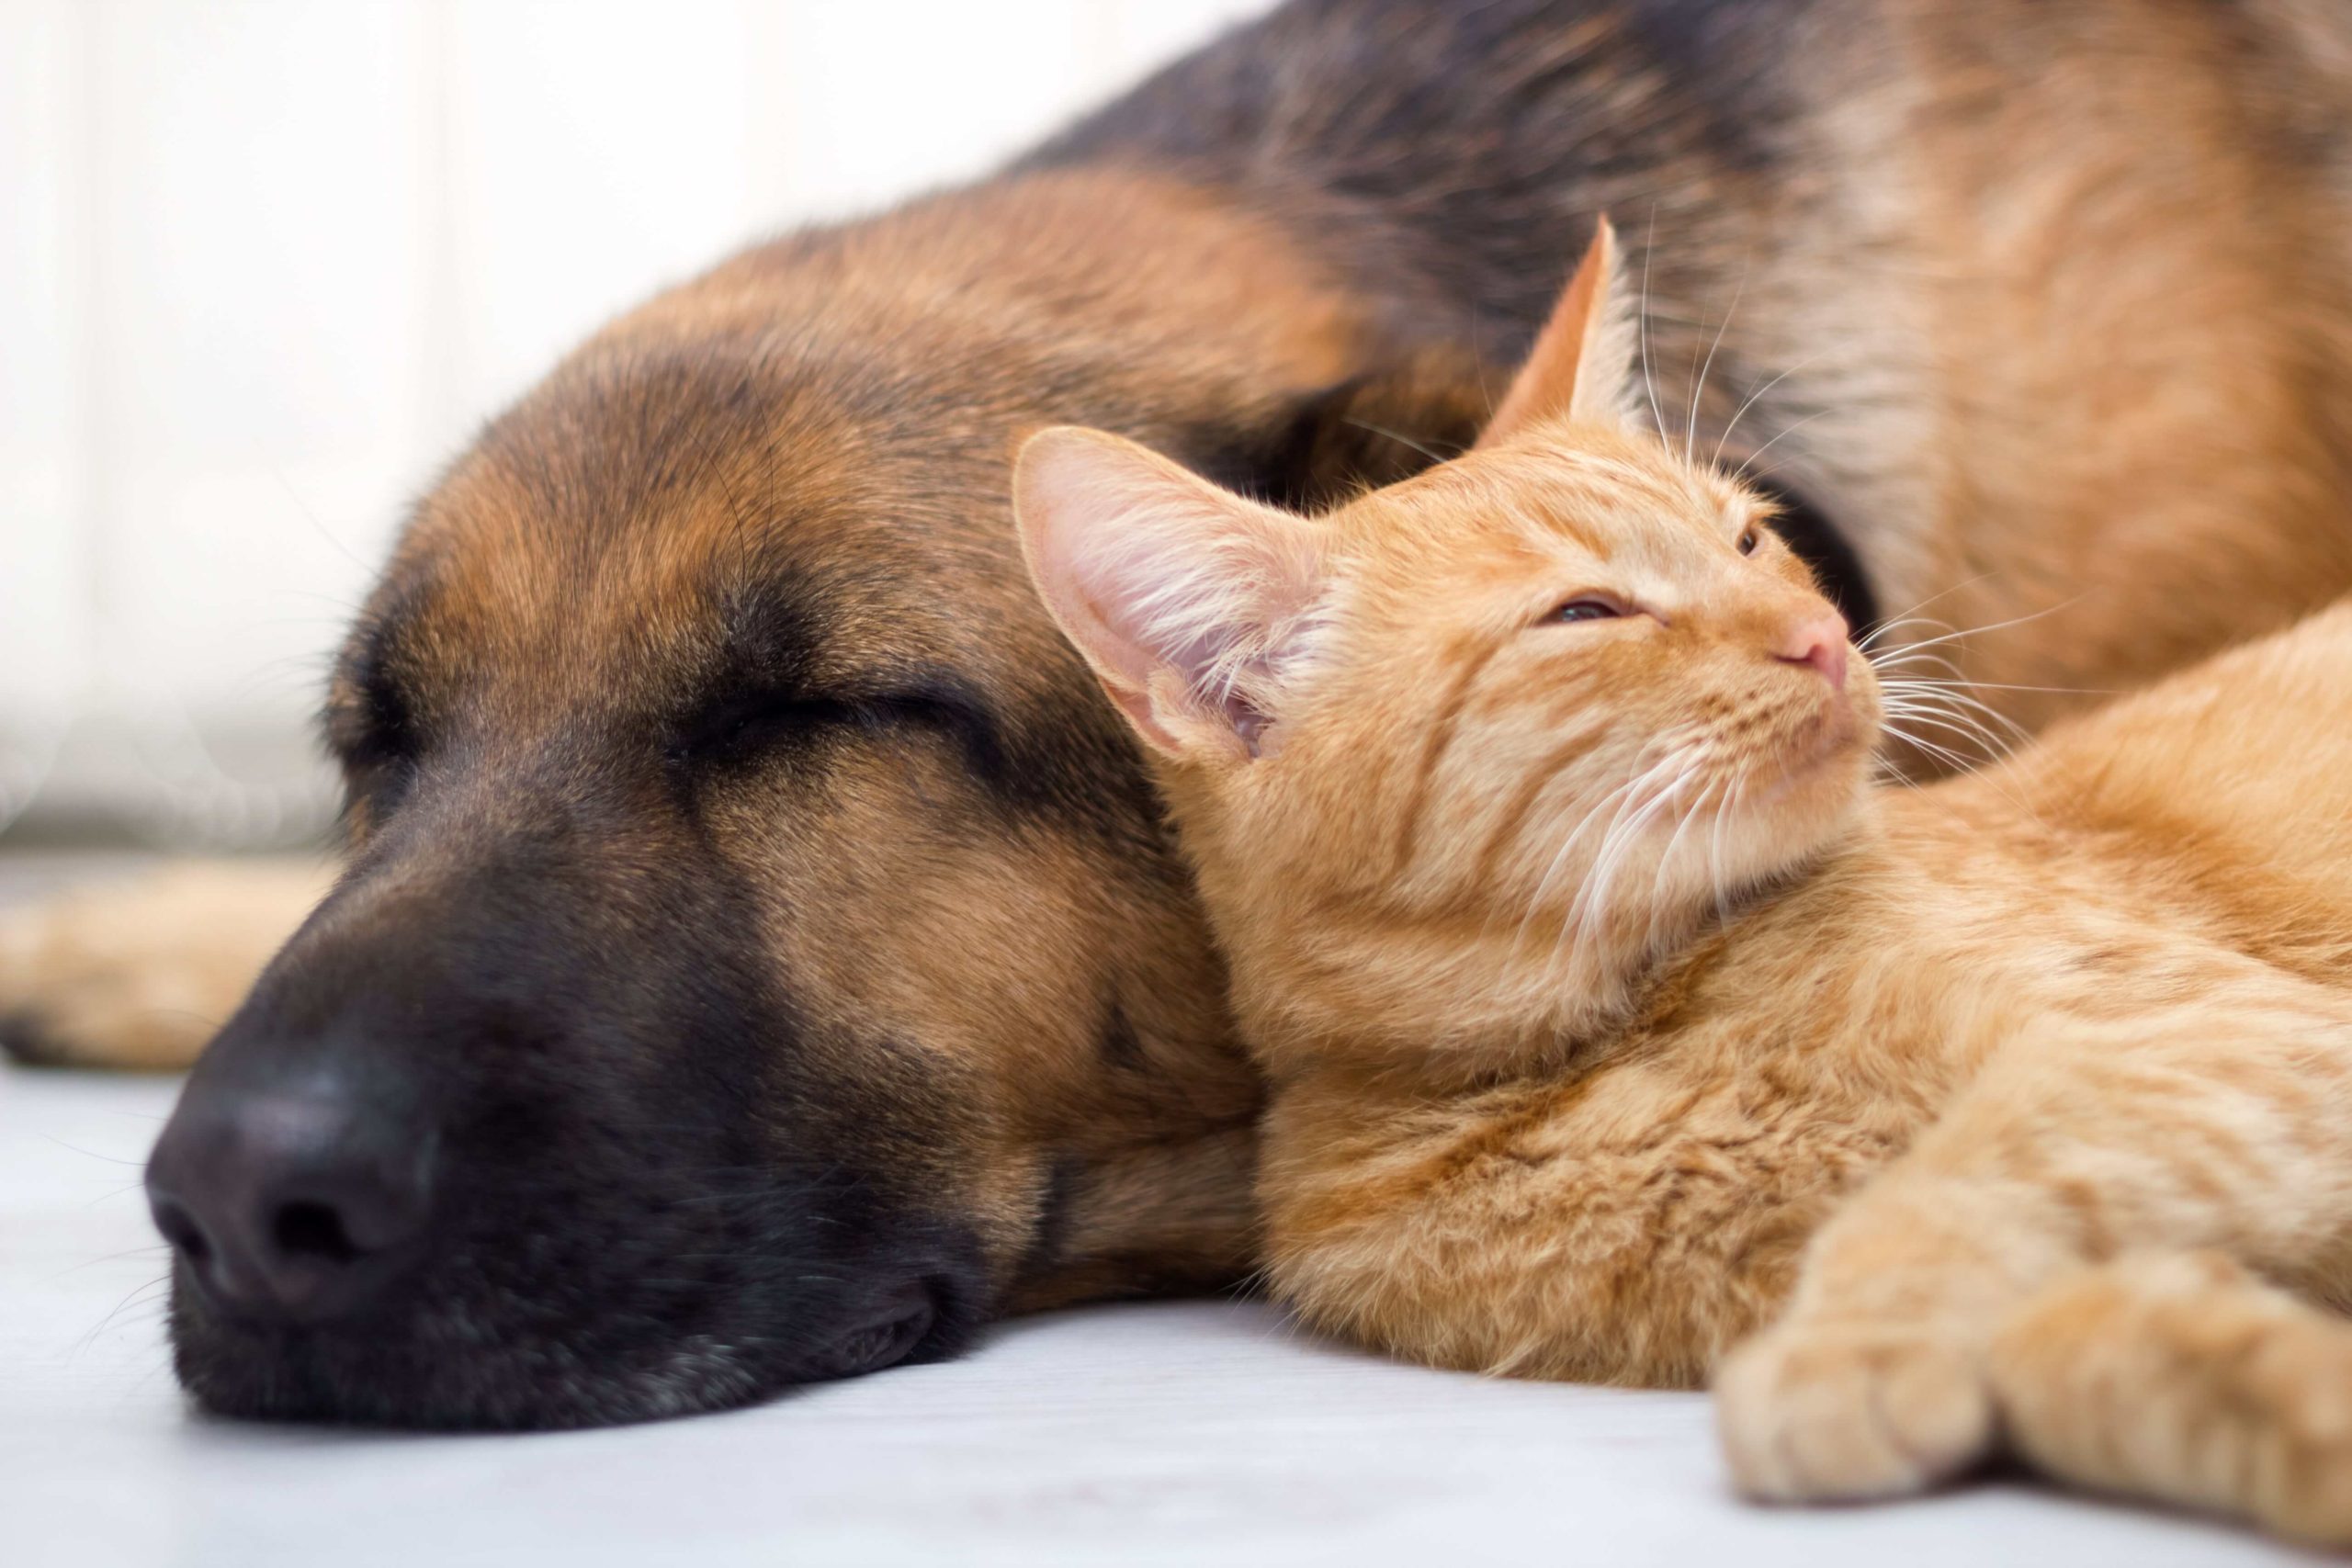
(1624, 1029)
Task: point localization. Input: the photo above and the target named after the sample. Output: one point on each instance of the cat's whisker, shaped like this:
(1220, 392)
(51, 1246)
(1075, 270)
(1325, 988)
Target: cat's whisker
(1962, 724)
(1401, 439)
(1911, 616)
(1959, 707)
(1699, 383)
(1715, 849)
(1895, 624)
(1635, 828)
(1742, 412)
(1936, 722)
(1608, 839)
(1912, 688)
(1630, 800)
(2006, 686)
(1658, 891)
(1749, 463)
(1961, 763)
(1993, 626)
(1886, 662)
(1543, 886)
(1590, 907)
(1952, 697)
(1649, 385)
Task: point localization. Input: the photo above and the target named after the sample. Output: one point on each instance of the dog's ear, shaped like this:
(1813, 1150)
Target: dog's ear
(1582, 367)
(1185, 598)
(1311, 448)
(1413, 409)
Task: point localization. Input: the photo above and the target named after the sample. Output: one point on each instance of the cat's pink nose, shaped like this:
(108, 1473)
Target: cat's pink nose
(1820, 642)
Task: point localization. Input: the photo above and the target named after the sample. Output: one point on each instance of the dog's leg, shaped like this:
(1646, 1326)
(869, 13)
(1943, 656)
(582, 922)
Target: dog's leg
(139, 974)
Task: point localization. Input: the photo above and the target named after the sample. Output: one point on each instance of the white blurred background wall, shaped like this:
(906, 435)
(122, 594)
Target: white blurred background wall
(264, 264)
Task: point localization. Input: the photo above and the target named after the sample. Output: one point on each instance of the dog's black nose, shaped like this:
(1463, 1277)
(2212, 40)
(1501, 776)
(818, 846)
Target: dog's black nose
(296, 1206)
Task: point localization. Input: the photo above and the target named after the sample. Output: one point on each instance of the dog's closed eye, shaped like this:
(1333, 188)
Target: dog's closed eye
(740, 727)
(372, 730)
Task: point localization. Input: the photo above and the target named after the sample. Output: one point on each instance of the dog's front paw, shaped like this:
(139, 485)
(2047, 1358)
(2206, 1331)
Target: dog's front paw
(138, 974)
(1816, 1412)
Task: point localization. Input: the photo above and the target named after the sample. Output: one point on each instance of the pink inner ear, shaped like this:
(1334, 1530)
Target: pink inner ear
(1247, 721)
(1168, 584)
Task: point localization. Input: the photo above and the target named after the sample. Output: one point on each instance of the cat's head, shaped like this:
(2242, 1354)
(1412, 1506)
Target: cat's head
(1457, 761)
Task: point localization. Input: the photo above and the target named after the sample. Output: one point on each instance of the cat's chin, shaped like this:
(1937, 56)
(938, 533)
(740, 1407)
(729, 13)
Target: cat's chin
(1818, 777)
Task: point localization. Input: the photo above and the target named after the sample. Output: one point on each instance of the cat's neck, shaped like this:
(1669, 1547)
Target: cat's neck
(1806, 894)
(1469, 997)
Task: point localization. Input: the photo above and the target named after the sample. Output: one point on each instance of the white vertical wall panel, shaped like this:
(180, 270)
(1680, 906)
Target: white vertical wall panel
(265, 263)
(960, 88)
(256, 317)
(46, 540)
(594, 150)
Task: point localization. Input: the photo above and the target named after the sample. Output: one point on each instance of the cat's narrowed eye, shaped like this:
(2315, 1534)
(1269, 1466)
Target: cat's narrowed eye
(1586, 610)
(1748, 539)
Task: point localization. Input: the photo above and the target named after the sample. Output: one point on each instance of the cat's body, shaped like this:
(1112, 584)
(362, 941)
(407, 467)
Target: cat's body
(1615, 1018)
(1624, 1214)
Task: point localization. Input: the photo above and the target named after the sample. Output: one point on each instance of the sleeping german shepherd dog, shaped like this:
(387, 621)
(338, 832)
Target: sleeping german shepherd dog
(759, 956)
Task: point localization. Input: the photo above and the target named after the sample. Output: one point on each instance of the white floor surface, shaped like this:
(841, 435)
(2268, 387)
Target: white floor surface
(1197, 1432)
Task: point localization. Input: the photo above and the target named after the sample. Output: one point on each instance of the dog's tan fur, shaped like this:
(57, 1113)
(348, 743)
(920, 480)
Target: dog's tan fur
(137, 974)
(2058, 290)
(1613, 1016)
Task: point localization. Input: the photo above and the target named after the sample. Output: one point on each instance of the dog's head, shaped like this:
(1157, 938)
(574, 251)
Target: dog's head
(760, 956)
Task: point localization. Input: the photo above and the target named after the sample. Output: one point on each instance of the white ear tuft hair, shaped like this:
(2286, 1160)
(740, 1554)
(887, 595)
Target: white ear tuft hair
(1191, 603)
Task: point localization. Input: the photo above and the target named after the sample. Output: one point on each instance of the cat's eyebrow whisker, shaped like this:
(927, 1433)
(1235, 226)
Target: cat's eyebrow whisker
(1698, 385)
(1749, 463)
(1401, 440)
(1650, 384)
(1911, 615)
(1716, 461)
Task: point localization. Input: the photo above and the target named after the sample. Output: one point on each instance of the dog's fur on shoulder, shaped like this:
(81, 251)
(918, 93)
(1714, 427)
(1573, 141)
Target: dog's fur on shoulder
(763, 882)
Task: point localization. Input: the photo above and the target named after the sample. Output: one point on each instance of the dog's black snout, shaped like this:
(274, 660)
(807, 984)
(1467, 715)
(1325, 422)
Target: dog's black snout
(293, 1206)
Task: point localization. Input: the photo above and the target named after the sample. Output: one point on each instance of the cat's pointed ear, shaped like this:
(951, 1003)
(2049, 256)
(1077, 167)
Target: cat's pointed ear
(1184, 597)
(1582, 365)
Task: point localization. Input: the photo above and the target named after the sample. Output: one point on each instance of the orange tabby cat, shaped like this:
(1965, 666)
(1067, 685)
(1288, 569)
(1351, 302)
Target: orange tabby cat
(1617, 1018)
